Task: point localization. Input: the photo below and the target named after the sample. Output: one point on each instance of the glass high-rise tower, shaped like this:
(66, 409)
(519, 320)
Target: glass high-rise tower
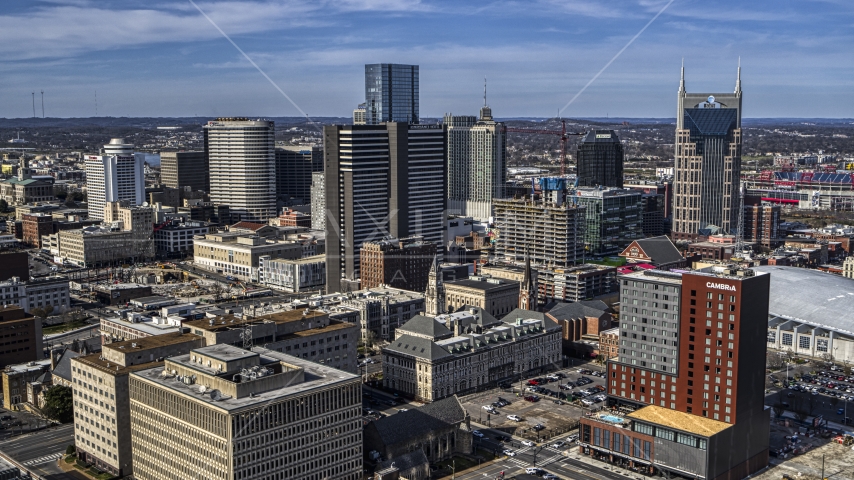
(391, 93)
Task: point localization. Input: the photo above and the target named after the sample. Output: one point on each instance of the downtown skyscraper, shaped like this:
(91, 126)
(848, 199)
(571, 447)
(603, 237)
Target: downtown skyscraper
(600, 160)
(381, 180)
(477, 171)
(391, 93)
(708, 162)
(117, 174)
(242, 158)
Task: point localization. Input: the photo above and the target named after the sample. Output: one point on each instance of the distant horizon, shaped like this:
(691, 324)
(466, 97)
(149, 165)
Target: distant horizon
(586, 59)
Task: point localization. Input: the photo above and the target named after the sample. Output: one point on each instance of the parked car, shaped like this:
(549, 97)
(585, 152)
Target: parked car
(515, 418)
(538, 427)
(533, 471)
(558, 444)
(528, 443)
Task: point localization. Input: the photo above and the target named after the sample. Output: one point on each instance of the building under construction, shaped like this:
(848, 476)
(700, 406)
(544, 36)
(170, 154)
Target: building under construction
(547, 228)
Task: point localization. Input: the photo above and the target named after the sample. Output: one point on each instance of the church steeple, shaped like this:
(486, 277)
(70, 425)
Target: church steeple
(434, 297)
(528, 288)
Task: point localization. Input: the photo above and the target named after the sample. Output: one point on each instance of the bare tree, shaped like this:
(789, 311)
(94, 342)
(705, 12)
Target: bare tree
(218, 290)
(42, 312)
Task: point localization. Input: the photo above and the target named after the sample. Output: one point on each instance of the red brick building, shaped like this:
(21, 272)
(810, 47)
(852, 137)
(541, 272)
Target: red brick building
(293, 218)
(399, 263)
(691, 368)
(33, 226)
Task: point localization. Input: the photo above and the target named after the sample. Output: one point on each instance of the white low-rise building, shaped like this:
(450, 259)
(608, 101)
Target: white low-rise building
(47, 292)
(293, 275)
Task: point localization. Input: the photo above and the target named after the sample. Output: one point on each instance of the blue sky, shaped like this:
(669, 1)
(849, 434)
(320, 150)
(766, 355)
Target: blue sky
(162, 58)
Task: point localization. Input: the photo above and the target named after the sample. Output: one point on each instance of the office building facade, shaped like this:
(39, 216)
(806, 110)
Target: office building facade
(708, 163)
(185, 169)
(242, 161)
(102, 424)
(117, 174)
(295, 165)
(691, 366)
(600, 160)
(613, 219)
(399, 263)
(391, 93)
(381, 180)
(318, 201)
(216, 415)
(477, 170)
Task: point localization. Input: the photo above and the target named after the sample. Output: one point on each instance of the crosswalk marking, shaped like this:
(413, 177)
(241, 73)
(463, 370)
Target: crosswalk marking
(45, 459)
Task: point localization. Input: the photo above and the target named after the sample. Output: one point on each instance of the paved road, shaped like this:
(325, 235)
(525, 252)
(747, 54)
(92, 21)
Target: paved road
(38, 451)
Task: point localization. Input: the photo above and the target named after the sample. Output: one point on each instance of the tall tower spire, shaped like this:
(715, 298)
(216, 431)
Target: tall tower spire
(738, 78)
(484, 90)
(682, 79)
(528, 288)
(434, 297)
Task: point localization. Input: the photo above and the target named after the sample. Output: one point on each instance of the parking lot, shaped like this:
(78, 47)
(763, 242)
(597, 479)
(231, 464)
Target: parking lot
(826, 393)
(553, 417)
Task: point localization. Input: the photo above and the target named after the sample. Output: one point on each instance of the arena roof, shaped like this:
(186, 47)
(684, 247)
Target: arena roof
(812, 297)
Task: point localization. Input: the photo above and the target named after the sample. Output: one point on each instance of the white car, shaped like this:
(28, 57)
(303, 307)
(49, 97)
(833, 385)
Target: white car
(528, 443)
(586, 402)
(477, 433)
(488, 408)
(509, 453)
(515, 418)
(533, 471)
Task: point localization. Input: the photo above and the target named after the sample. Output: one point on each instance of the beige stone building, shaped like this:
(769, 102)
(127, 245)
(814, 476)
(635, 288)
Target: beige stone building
(224, 413)
(126, 236)
(498, 296)
(848, 268)
(238, 254)
(462, 352)
(101, 402)
(308, 334)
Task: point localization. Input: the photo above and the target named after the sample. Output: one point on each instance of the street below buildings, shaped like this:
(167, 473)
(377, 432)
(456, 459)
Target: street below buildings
(39, 451)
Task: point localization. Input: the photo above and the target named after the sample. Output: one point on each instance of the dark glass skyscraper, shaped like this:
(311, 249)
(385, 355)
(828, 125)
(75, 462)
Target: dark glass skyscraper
(391, 93)
(600, 160)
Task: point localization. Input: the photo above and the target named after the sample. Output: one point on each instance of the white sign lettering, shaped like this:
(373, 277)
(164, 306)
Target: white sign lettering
(720, 286)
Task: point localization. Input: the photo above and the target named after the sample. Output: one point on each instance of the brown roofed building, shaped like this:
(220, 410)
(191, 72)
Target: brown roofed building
(102, 397)
(14, 264)
(403, 263)
(34, 225)
(22, 336)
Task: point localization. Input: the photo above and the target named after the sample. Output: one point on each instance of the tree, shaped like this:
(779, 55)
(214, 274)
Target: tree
(59, 404)
(42, 312)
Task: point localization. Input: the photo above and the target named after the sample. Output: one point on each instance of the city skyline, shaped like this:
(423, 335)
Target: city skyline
(168, 60)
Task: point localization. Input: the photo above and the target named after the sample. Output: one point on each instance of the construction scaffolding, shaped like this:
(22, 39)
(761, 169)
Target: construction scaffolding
(553, 232)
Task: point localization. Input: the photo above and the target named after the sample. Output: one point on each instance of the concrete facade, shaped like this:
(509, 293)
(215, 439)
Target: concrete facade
(213, 418)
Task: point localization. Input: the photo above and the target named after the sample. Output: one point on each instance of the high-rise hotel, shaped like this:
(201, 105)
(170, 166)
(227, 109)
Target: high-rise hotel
(689, 375)
(708, 162)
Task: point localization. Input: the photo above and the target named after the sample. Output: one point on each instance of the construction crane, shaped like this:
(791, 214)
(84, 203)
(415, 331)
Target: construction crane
(562, 133)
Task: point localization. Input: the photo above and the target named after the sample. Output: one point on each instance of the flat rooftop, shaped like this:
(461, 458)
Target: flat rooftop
(153, 299)
(317, 376)
(154, 341)
(333, 327)
(146, 326)
(112, 368)
(229, 321)
(686, 422)
(485, 285)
